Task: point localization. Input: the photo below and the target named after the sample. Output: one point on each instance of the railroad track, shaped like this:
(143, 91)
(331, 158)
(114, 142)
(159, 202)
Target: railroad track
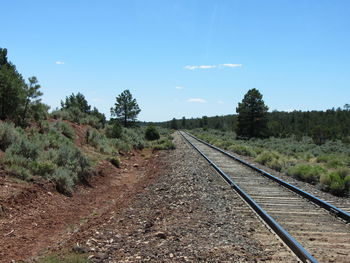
(313, 229)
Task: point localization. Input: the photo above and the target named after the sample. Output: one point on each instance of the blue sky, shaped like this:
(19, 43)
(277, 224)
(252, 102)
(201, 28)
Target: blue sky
(183, 58)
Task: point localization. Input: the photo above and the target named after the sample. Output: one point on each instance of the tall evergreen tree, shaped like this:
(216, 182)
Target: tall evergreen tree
(12, 94)
(126, 108)
(252, 116)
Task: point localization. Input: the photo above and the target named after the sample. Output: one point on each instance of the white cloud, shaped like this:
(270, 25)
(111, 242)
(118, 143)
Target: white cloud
(196, 100)
(59, 62)
(229, 65)
(220, 102)
(200, 67)
(178, 87)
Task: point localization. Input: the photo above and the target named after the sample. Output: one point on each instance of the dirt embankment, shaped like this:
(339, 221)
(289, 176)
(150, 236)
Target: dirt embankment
(34, 218)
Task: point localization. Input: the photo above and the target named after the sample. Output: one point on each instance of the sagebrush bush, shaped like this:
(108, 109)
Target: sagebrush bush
(165, 144)
(43, 168)
(65, 129)
(114, 131)
(20, 171)
(306, 172)
(152, 133)
(266, 157)
(242, 150)
(8, 135)
(64, 180)
(99, 141)
(24, 148)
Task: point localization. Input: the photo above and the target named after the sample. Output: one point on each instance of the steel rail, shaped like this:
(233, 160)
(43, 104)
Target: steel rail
(331, 208)
(293, 244)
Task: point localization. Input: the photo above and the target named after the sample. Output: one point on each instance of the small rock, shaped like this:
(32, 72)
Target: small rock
(80, 249)
(136, 165)
(101, 255)
(161, 235)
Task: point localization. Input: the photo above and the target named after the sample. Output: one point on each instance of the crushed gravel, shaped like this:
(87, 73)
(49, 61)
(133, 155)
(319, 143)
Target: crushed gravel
(188, 215)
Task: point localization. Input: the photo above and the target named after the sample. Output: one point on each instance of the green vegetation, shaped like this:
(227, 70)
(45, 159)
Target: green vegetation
(320, 126)
(126, 108)
(63, 147)
(69, 258)
(76, 109)
(327, 165)
(152, 133)
(19, 101)
(50, 155)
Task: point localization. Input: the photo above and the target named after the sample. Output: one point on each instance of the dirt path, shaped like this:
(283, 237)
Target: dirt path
(40, 219)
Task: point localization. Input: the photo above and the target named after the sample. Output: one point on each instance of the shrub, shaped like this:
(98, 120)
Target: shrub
(114, 131)
(60, 114)
(337, 186)
(122, 146)
(43, 168)
(8, 135)
(276, 164)
(266, 157)
(64, 180)
(325, 180)
(72, 158)
(24, 148)
(65, 129)
(44, 126)
(115, 161)
(305, 172)
(98, 141)
(243, 150)
(164, 145)
(20, 171)
(151, 133)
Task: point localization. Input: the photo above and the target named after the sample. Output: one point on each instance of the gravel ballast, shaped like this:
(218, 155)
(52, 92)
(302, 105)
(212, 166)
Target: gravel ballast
(187, 215)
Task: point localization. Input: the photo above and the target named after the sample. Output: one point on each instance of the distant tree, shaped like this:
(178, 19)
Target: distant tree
(76, 101)
(205, 121)
(32, 94)
(347, 107)
(173, 124)
(183, 123)
(126, 108)
(252, 116)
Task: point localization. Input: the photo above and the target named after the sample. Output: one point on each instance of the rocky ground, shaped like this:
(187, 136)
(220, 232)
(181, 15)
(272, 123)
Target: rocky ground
(187, 215)
(167, 206)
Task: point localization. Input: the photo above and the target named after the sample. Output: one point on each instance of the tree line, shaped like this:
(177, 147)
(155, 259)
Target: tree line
(254, 121)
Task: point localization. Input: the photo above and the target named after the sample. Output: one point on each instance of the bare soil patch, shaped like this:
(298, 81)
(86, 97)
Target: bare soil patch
(34, 218)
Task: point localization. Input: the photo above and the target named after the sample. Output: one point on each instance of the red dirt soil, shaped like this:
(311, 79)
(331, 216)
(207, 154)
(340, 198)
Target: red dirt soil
(34, 218)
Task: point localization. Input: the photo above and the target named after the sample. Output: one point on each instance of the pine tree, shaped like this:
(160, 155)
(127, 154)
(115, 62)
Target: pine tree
(252, 116)
(126, 108)
(12, 93)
